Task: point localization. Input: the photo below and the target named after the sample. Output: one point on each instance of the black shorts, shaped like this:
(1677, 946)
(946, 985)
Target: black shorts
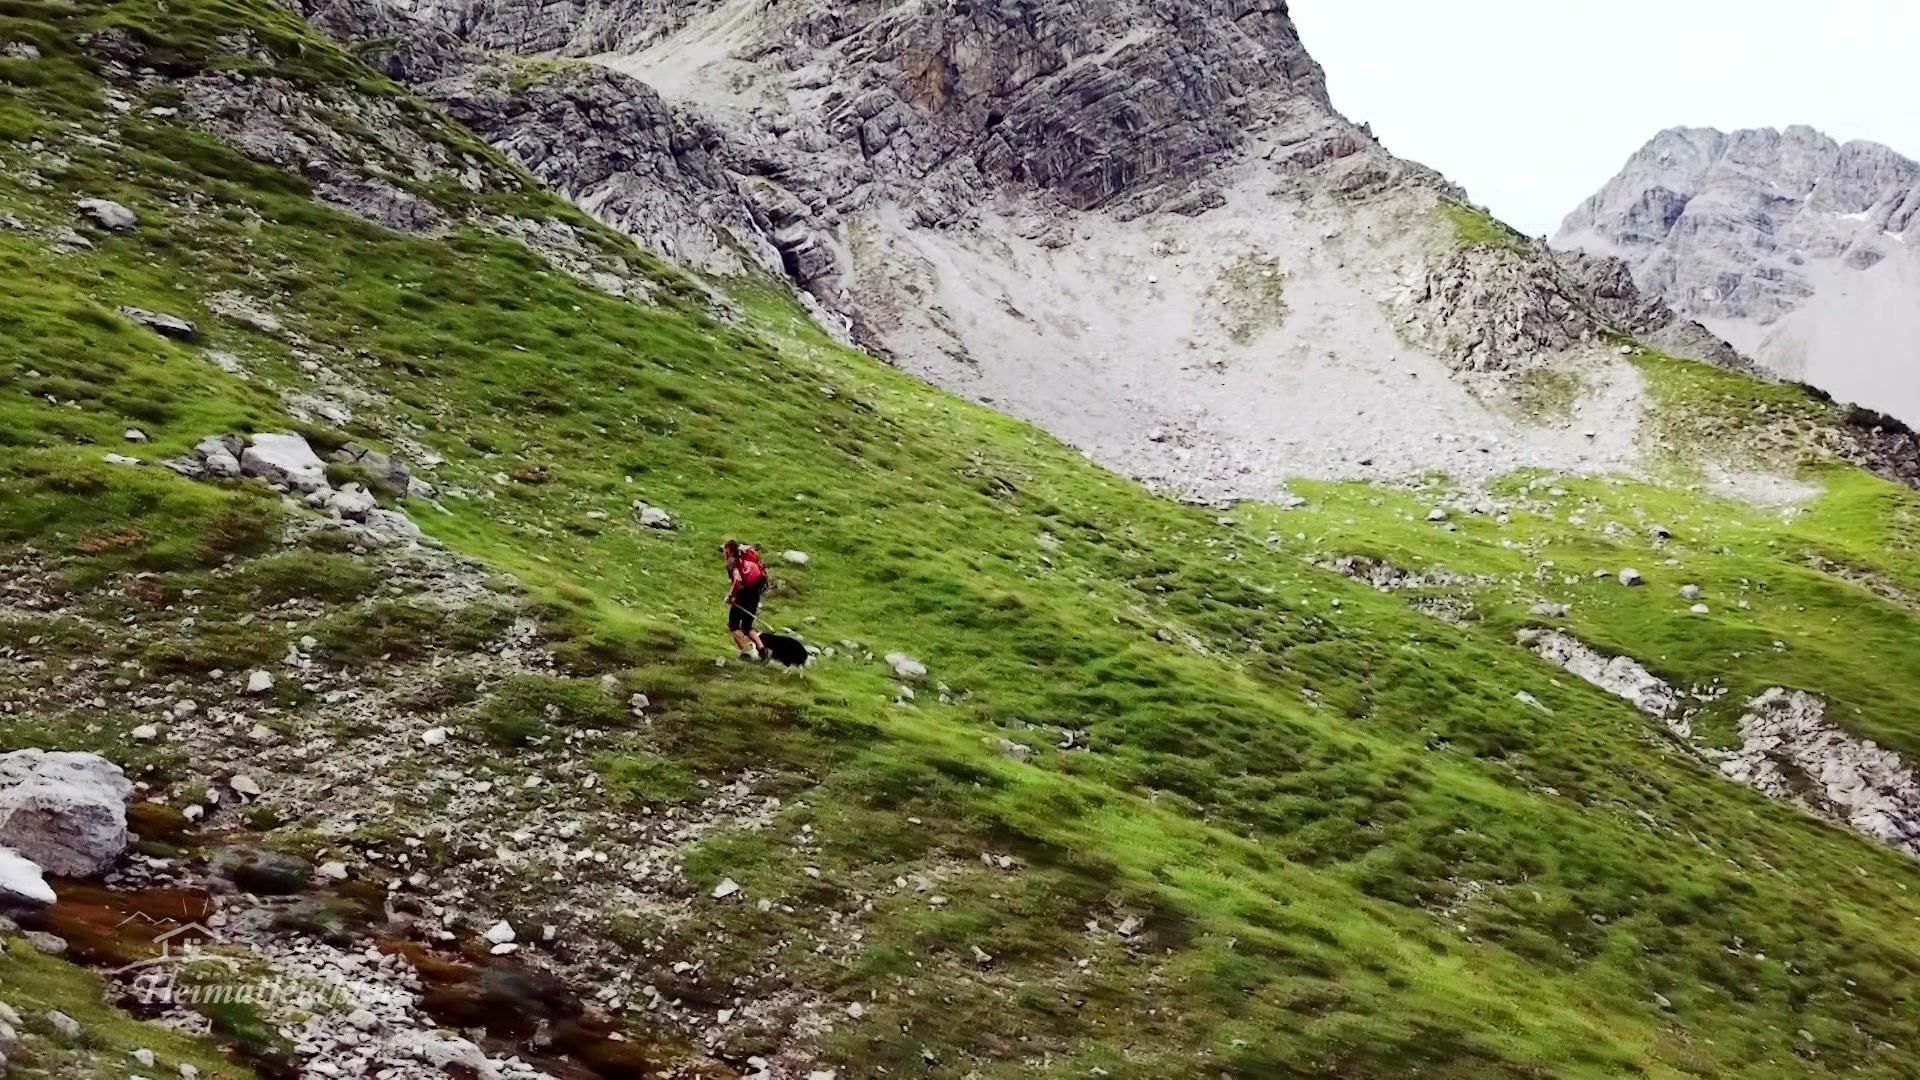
(745, 606)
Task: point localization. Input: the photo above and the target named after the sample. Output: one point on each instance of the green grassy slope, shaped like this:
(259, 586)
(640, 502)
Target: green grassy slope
(1355, 852)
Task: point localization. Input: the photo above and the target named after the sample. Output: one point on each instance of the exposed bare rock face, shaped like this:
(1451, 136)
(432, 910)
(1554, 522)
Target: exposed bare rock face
(1790, 750)
(1802, 251)
(1119, 221)
(606, 141)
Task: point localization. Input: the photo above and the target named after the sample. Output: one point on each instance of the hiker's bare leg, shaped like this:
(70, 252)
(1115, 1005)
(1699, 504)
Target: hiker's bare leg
(744, 641)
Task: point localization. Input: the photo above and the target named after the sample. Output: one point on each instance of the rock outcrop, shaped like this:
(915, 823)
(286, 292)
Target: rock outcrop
(284, 459)
(1761, 234)
(65, 812)
(1790, 750)
(288, 463)
(1622, 676)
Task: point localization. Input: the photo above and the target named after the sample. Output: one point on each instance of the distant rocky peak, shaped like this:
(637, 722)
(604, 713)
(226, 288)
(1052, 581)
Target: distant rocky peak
(1760, 233)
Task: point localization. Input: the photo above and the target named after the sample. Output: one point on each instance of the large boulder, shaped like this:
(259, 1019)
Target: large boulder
(392, 527)
(906, 667)
(285, 459)
(108, 214)
(264, 872)
(221, 455)
(161, 323)
(384, 470)
(66, 812)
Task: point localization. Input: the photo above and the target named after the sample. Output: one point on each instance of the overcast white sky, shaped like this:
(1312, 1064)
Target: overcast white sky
(1532, 105)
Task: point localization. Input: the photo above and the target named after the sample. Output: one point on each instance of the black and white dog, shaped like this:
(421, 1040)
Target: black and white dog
(782, 649)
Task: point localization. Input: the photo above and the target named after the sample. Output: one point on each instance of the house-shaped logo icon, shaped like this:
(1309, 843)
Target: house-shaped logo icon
(179, 943)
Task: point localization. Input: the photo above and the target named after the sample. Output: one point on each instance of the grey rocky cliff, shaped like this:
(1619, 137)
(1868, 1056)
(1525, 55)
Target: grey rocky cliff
(1764, 235)
(604, 140)
(1152, 176)
(613, 146)
(815, 116)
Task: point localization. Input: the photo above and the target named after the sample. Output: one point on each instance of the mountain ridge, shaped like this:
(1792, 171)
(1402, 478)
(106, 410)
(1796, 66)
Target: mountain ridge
(1760, 233)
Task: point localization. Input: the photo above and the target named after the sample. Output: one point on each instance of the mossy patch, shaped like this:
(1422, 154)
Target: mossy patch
(1475, 228)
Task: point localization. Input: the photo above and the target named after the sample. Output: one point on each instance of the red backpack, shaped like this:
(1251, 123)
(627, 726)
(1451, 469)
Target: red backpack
(752, 571)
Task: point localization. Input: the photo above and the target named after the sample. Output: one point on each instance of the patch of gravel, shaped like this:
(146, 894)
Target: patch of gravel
(1133, 343)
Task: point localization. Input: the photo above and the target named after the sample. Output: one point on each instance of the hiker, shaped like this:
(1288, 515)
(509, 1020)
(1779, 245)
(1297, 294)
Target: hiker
(747, 582)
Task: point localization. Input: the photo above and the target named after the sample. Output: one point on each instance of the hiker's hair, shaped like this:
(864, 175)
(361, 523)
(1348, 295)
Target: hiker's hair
(730, 548)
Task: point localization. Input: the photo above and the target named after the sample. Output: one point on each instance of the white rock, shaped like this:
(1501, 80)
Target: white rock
(334, 871)
(906, 666)
(184, 708)
(797, 558)
(725, 889)
(392, 526)
(189, 1072)
(351, 502)
(22, 885)
(285, 459)
(434, 736)
(441, 1050)
(259, 682)
(1632, 578)
(500, 933)
(218, 456)
(1701, 609)
(135, 435)
(1437, 514)
(1691, 592)
(145, 1058)
(108, 214)
(245, 785)
(145, 733)
(362, 1020)
(65, 812)
(66, 1027)
(160, 323)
